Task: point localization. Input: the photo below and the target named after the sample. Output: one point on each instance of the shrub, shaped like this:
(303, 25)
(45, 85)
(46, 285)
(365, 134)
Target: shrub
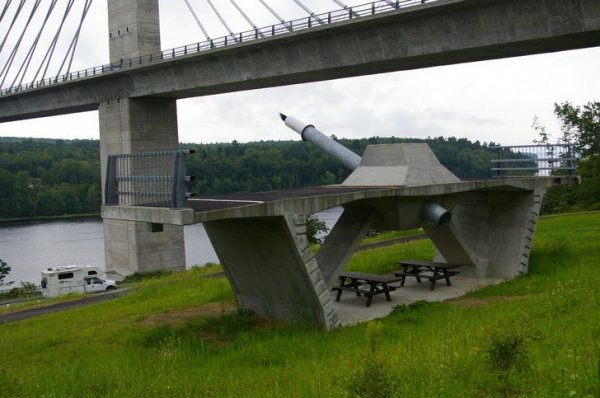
(373, 379)
(507, 351)
(140, 276)
(27, 289)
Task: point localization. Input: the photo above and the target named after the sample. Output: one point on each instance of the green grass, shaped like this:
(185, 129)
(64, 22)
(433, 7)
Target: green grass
(388, 235)
(175, 337)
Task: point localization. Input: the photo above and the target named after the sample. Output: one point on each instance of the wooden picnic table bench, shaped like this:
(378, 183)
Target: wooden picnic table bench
(356, 282)
(433, 271)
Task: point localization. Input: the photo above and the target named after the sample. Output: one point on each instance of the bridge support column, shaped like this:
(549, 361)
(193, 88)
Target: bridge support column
(272, 270)
(139, 125)
(130, 125)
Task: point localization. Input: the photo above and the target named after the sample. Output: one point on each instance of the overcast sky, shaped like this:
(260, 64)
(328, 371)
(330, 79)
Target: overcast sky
(485, 101)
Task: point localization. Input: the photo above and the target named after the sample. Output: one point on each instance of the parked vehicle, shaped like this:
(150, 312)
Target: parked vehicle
(57, 281)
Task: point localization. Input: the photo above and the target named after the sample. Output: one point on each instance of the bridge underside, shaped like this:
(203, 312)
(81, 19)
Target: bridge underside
(261, 241)
(438, 33)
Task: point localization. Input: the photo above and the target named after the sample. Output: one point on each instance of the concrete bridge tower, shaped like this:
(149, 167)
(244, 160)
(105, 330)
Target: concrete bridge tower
(130, 125)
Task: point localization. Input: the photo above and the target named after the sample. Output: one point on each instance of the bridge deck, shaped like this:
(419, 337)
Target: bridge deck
(433, 34)
(221, 202)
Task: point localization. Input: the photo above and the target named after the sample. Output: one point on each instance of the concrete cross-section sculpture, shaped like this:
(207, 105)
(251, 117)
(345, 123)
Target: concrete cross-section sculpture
(261, 241)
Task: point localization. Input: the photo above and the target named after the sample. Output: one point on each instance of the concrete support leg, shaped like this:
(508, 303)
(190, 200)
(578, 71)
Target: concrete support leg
(495, 230)
(450, 245)
(343, 240)
(127, 126)
(272, 269)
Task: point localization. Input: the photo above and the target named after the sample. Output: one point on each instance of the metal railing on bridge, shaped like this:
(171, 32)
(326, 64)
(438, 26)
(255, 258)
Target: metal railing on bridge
(535, 160)
(345, 14)
(151, 179)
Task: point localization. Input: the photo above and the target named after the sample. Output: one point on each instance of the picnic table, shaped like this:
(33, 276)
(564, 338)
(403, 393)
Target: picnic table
(367, 284)
(431, 270)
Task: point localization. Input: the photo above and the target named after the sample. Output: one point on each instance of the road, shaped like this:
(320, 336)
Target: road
(47, 309)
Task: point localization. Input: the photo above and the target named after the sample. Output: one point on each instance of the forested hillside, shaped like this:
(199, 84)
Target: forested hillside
(41, 177)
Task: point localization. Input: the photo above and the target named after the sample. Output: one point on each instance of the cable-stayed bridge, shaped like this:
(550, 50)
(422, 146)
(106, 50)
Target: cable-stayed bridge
(376, 37)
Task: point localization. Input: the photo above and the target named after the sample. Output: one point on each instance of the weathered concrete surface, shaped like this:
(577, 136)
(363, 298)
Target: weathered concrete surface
(138, 125)
(497, 227)
(399, 165)
(343, 240)
(160, 215)
(272, 269)
(134, 28)
(313, 200)
(439, 33)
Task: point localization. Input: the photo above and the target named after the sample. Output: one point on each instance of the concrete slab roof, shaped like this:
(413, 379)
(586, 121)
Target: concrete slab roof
(313, 200)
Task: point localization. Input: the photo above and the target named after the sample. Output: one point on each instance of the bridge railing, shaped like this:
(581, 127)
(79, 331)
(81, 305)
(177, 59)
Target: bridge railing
(309, 22)
(152, 179)
(535, 160)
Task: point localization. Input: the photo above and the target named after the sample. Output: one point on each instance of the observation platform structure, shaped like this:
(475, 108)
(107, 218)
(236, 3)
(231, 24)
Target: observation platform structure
(260, 238)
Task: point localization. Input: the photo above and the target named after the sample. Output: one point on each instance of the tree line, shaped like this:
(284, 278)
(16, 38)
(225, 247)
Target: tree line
(276, 165)
(579, 125)
(46, 177)
(41, 177)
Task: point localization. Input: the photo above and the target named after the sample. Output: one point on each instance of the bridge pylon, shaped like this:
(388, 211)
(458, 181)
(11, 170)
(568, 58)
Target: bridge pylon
(129, 125)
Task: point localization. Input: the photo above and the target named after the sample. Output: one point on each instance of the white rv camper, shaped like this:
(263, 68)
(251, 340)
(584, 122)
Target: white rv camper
(74, 279)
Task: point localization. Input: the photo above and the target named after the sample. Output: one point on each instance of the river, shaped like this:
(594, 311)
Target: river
(30, 247)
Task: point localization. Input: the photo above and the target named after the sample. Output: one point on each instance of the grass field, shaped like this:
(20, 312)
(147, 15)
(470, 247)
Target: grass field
(177, 336)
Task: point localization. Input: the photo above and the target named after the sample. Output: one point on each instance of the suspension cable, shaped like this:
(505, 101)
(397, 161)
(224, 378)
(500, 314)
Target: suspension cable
(50, 52)
(345, 7)
(13, 21)
(309, 12)
(13, 53)
(5, 9)
(73, 44)
(198, 20)
(246, 17)
(276, 15)
(222, 20)
(29, 56)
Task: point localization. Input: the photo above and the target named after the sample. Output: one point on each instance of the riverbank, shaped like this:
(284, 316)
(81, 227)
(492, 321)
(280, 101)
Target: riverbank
(67, 217)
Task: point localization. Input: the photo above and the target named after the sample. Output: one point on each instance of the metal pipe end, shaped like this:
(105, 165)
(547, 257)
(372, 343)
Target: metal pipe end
(435, 214)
